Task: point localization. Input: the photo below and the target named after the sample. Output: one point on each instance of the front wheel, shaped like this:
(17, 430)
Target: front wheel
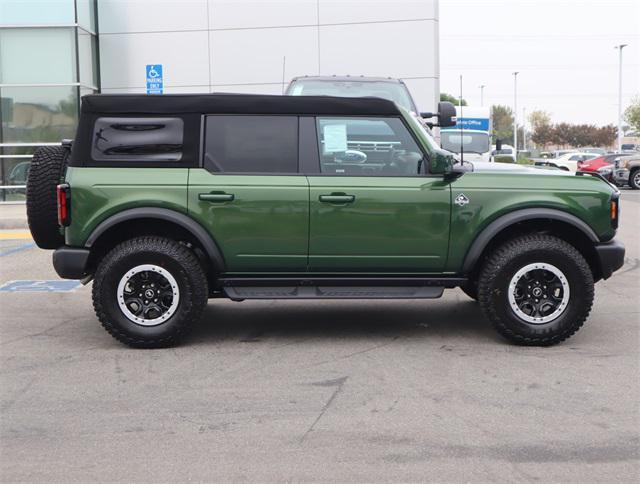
(149, 291)
(536, 290)
(634, 179)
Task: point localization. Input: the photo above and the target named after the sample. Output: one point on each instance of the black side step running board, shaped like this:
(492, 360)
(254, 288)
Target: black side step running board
(333, 288)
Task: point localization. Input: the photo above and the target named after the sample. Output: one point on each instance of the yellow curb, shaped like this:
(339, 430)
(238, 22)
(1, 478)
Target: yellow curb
(8, 235)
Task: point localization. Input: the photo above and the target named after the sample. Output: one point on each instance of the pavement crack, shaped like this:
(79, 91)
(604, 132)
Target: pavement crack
(339, 384)
(355, 353)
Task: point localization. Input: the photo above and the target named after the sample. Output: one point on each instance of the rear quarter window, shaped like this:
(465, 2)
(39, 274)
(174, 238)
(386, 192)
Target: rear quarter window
(120, 139)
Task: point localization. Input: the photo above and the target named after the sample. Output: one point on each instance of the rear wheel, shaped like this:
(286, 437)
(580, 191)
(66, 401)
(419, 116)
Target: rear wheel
(45, 173)
(634, 179)
(149, 291)
(536, 290)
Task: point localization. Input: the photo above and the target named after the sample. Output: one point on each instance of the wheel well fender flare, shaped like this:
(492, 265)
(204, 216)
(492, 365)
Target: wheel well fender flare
(501, 223)
(187, 223)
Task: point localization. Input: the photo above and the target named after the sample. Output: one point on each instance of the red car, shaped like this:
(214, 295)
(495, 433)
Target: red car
(595, 164)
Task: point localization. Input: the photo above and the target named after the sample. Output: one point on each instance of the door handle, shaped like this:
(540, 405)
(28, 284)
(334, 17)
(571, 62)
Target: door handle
(216, 197)
(337, 198)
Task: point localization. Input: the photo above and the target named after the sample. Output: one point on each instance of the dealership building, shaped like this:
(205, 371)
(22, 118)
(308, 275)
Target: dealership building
(52, 52)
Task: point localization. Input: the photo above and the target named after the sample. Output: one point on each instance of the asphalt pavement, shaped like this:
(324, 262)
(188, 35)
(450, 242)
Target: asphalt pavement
(335, 391)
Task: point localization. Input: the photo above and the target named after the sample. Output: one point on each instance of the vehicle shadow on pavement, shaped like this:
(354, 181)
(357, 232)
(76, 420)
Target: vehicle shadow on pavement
(257, 321)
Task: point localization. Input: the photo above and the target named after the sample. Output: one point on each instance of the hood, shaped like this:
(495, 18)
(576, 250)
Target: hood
(480, 166)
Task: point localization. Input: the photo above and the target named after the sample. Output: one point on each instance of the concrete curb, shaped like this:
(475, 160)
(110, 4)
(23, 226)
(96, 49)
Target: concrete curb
(13, 216)
(13, 223)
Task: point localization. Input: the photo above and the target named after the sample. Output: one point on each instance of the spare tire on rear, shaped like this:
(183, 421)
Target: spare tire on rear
(45, 173)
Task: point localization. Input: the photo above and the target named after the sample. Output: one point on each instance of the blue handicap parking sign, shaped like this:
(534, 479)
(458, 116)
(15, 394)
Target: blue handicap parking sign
(155, 82)
(40, 286)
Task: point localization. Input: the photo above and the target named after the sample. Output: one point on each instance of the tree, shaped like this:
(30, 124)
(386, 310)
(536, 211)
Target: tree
(632, 114)
(502, 117)
(452, 99)
(541, 128)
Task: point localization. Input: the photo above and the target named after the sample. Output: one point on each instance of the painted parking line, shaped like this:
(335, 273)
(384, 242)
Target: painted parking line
(40, 286)
(20, 248)
(15, 235)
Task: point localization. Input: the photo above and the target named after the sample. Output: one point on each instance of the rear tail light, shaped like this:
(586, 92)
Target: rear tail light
(614, 210)
(64, 204)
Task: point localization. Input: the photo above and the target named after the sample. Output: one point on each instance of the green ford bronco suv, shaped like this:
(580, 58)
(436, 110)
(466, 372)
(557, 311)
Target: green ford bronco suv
(166, 201)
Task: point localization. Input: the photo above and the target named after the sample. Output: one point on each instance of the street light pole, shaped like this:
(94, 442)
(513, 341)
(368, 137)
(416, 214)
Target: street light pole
(482, 95)
(515, 114)
(524, 129)
(620, 47)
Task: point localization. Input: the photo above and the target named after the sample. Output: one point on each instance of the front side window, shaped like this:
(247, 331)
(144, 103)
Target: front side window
(251, 144)
(376, 146)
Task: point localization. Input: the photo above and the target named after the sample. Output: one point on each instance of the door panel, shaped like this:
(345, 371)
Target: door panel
(260, 222)
(378, 224)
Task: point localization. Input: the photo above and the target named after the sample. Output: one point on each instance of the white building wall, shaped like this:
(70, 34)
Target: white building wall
(241, 45)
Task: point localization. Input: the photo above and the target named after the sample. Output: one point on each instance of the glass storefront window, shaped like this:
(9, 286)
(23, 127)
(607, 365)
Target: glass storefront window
(44, 55)
(86, 14)
(87, 57)
(38, 114)
(37, 12)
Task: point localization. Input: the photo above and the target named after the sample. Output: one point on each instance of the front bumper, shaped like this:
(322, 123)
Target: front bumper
(620, 176)
(71, 262)
(611, 256)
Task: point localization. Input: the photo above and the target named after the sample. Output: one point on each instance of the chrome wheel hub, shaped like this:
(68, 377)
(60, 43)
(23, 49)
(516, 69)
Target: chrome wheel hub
(538, 293)
(148, 295)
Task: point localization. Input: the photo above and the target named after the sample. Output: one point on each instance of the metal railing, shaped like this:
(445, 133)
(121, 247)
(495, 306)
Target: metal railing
(5, 188)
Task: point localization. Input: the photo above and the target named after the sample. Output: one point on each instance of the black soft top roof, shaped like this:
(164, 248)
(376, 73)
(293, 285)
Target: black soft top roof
(234, 104)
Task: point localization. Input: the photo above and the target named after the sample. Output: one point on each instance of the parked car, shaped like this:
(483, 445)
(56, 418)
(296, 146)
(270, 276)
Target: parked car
(170, 200)
(627, 172)
(603, 165)
(18, 175)
(569, 161)
(354, 86)
(506, 151)
(597, 151)
(559, 153)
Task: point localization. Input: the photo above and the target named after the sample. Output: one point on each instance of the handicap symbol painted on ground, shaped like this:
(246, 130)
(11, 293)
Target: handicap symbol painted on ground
(40, 286)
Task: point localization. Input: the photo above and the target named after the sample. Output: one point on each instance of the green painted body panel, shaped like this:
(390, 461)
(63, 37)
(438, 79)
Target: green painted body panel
(394, 224)
(98, 193)
(264, 228)
(494, 194)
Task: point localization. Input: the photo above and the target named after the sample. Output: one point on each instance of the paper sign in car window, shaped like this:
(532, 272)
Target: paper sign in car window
(335, 138)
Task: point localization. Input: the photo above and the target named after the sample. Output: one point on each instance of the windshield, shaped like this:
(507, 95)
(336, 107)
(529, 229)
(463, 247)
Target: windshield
(392, 91)
(471, 142)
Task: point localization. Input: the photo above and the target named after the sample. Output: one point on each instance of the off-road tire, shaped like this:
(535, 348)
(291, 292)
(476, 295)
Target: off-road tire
(45, 173)
(504, 263)
(172, 256)
(634, 179)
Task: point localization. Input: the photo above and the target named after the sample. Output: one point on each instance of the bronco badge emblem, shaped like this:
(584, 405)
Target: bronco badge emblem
(461, 200)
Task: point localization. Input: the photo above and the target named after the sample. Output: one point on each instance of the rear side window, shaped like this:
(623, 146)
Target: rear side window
(251, 144)
(137, 139)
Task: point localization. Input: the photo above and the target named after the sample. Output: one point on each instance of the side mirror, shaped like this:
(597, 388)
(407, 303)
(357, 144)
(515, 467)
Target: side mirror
(498, 145)
(446, 114)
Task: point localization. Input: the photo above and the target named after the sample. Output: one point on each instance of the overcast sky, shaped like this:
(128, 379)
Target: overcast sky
(563, 49)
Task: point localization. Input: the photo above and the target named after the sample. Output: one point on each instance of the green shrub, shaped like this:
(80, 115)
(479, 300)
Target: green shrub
(503, 159)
